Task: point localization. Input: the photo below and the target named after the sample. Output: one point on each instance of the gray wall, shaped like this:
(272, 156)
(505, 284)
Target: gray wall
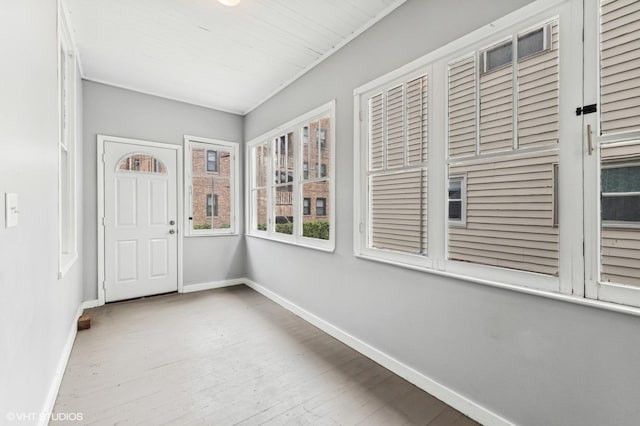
(37, 311)
(117, 112)
(530, 359)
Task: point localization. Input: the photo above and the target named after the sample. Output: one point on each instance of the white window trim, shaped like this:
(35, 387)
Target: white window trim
(295, 125)
(234, 179)
(530, 16)
(66, 260)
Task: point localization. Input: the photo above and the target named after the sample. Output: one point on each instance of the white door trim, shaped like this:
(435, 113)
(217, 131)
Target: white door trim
(101, 207)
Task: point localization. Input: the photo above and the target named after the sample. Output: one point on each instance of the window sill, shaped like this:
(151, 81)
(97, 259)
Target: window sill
(578, 300)
(66, 263)
(329, 248)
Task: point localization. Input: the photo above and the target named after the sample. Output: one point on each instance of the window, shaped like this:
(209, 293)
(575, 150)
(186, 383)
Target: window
(212, 161)
(497, 57)
(457, 203)
(620, 186)
(211, 193)
(321, 207)
(212, 205)
(306, 206)
(500, 122)
(288, 168)
(394, 151)
(67, 227)
(505, 144)
(141, 163)
(534, 42)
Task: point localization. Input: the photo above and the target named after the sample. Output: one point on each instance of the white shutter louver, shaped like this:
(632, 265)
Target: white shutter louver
(417, 121)
(395, 127)
(376, 133)
(462, 108)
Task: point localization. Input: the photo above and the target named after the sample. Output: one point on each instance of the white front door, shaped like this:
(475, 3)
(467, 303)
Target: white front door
(141, 244)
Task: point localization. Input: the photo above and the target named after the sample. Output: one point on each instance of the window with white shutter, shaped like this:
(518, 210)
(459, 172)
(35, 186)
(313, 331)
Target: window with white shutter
(397, 182)
(509, 180)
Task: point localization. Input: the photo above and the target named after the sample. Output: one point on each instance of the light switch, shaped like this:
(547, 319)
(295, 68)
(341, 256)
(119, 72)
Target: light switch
(12, 212)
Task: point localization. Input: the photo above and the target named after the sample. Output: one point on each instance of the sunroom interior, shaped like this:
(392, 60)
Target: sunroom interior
(433, 205)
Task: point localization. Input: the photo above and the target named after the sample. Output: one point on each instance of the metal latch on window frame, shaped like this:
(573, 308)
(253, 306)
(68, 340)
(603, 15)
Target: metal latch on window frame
(588, 109)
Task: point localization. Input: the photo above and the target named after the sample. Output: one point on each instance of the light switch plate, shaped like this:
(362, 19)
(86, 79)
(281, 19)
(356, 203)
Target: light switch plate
(11, 209)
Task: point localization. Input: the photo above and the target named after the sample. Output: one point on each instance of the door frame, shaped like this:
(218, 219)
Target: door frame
(101, 139)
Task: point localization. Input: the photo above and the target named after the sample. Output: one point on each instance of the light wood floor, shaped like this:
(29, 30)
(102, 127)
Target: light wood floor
(227, 357)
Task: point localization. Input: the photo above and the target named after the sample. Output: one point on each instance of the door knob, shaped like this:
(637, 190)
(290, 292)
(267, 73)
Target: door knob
(172, 231)
(172, 222)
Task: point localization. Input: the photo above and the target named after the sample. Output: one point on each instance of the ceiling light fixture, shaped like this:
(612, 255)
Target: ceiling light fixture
(229, 2)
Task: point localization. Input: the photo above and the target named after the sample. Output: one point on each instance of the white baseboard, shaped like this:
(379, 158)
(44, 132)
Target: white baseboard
(443, 393)
(62, 365)
(211, 285)
(88, 304)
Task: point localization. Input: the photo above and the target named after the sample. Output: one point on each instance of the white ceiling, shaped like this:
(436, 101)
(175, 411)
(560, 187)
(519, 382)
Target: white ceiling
(201, 52)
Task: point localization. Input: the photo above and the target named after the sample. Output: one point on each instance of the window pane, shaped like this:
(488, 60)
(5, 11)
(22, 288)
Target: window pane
(321, 207)
(283, 148)
(211, 188)
(531, 43)
(260, 201)
(306, 206)
(317, 153)
(398, 201)
(260, 160)
(620, 213)
(142, 163)
(283, 209)
(212, 161)
(508, 212)
(65, 201)
(538, 95)
(455, 189)
(621, 179)
(316, 213)
(455, 210)
(621, 208)
(498, 56)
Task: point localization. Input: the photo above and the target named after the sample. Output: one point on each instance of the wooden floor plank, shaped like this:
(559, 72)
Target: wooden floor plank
(230, 357)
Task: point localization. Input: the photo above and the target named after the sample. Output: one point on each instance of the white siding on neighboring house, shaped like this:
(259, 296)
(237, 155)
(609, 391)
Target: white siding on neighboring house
(509, 213)
(538, 78)
(620, 66)
(462, 107)
(398, 190)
